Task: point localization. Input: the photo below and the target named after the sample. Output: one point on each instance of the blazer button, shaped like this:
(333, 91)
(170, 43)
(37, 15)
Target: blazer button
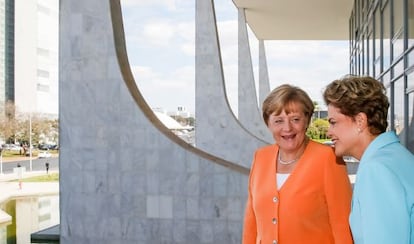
(274, 242)
(274, 199)
(274, 221)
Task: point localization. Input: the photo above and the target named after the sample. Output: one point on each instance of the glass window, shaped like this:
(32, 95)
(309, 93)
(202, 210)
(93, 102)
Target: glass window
(398, 45)
(410, 122)
(377, 34)
(410, 58)
(43, 73)
(389, 109)
(399, 94)
(398, 16)
(386, 79)
(352, 30)
(371, 55)
(42, 52)
(410, 22)
(398, 68)
(358, 59)
(386, 36)
(377, 67)
(410, 144)
(43, 88)
(410, 82)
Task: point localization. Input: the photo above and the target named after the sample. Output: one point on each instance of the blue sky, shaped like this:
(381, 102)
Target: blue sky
(160, 37)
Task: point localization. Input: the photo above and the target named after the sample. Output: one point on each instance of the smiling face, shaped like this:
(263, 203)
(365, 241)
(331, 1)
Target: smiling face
(289, 130)
(344, 133)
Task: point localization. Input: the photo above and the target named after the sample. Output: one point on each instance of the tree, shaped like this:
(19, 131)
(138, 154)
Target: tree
(14, 127)
(8, 123)
(318, 129)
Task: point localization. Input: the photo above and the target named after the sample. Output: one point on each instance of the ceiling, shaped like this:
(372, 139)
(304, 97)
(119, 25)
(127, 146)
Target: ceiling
(298, 19)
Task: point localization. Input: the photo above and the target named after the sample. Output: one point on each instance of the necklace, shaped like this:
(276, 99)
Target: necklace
(281, 161)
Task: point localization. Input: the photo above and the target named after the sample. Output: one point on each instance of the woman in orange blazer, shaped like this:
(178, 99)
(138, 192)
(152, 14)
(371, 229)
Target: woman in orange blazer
(299, 191)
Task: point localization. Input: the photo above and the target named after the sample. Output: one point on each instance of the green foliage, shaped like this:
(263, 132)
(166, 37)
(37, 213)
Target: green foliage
(318, 129)
(42, 178)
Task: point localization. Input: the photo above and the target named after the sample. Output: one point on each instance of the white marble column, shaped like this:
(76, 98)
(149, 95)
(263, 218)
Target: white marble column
(248, 110)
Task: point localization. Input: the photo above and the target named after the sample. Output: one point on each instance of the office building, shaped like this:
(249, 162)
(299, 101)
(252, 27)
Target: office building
(29, 60)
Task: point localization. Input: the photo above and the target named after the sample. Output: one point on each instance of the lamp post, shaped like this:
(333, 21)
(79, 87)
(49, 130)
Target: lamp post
(30, 140)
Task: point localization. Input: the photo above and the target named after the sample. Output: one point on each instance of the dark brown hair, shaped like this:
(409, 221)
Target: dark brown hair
(355, 94)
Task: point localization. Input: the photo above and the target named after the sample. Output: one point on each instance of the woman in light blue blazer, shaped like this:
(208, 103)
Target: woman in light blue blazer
(383, 198)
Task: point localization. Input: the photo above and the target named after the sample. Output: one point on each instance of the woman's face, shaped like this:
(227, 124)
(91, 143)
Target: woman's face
(289, 130)
(343, 131)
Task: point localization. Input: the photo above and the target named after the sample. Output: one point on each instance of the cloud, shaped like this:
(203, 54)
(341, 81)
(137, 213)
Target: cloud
(159, 33)
(169, 4)
(167, 90)
(308, 64)
(161, 46)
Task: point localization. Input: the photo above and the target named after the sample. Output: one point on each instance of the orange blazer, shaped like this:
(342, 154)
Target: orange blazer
(312, 206)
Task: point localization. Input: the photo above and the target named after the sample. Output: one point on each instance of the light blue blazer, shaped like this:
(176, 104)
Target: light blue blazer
(383, 198)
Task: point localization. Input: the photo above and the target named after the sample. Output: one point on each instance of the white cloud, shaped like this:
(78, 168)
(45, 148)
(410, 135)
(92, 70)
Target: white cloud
(159, 33)
(310, 65)
(166, 90)
(186, 34)
(169, 4)
(161, 44)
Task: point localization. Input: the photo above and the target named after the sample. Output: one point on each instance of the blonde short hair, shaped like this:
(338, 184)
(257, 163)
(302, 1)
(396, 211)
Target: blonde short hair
(283, 97)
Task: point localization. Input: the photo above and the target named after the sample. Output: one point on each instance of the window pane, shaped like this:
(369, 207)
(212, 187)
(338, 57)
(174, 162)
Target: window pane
(389, 109)
(377, 34)
(399, 94)
(410, 89)
(398, 17)
(399, 68)
(43, 73)
(387, 36)
(386, 79)
(377, 67)
(371, 55)
(410, 58)
(410, 144)
(398, 45)
(410, 23)
(410, 82)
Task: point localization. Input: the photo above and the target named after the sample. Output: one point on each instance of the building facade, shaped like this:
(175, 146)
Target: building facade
(29, 56)
(382, 46)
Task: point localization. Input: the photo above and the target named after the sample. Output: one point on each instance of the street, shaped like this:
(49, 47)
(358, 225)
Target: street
(37, 164)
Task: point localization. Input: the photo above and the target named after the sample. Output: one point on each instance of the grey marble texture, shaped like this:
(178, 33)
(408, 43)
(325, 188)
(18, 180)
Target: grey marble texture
(217, 130)
(249, 112)
(124, 177)
(264, 83)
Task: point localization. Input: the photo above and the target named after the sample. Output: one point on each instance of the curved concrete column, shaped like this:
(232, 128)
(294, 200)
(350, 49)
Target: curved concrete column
(249, 114)
(217, 129)
(124, 177)
(264, 84)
